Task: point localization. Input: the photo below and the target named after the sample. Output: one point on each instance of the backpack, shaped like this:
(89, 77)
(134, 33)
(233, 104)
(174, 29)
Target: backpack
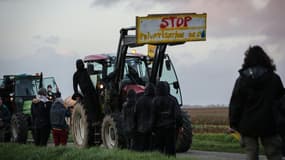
(57, 116)
(279, 115)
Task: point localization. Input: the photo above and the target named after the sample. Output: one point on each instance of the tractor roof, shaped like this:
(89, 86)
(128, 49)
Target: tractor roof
(96, 57)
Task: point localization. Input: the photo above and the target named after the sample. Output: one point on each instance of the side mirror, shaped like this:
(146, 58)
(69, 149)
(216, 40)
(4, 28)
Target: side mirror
(168, 65)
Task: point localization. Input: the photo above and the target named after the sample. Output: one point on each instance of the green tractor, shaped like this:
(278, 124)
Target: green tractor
(17, 92)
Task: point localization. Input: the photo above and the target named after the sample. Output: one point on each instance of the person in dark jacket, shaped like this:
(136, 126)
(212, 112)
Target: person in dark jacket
(254, 95)
(165, 119)
(82, 79)
(5, 118)
(41, 117)
(58, 113)
(144, 119)
(128, 112)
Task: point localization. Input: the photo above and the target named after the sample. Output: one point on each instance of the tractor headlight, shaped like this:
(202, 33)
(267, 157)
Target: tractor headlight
(11, 99)
(101, 86)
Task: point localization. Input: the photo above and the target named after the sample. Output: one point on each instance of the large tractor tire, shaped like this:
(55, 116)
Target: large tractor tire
(19, 128)
(184, 139)
(82, 130)
(112, 131)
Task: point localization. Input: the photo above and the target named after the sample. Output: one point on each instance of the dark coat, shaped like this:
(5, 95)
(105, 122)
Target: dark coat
(144, 110)
(5, 115)
(164, 107)
(57, 115)
(128, 112)
(255, 93)
(82, 78)
(41, 113)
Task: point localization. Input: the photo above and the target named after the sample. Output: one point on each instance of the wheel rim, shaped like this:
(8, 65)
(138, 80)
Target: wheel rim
(110, 136)
(79, 129)
(14, 132)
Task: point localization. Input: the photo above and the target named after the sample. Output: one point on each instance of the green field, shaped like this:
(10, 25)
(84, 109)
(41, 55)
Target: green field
(31, 152)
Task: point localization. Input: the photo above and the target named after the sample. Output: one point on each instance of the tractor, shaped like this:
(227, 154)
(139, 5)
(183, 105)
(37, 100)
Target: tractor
(17, 92)
(112, 77)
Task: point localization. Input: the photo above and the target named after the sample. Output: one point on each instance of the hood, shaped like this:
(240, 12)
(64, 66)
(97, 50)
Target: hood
(59, 100)
(162, 89)
(255, 77)
(40, 98)
(79, 64)
(149, 90)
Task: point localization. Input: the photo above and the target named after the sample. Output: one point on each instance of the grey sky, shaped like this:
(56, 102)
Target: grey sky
(49, 36)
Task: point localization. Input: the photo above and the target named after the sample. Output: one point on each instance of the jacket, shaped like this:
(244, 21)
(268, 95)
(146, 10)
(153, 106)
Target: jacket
(81, 78)
(255, 93)
(164, 107)
(128, 112)
(41, 112)
(58, 113)
(5, 116)
(144, 110)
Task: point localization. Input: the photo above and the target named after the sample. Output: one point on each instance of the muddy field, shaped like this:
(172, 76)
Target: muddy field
(209, 119)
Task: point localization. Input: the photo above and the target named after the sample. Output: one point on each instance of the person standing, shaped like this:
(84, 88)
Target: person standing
(5, 118)
(165, 119)
(82, 79)
(144, 119)
(41, 117)
(251, 104)
(58, 113)
(128, 112)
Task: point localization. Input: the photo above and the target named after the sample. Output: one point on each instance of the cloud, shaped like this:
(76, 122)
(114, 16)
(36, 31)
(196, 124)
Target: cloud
(52, 40)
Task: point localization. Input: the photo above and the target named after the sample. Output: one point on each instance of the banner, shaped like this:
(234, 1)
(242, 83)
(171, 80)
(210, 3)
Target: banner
(171, 28)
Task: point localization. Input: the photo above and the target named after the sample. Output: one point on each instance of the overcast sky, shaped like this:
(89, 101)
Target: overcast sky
(49, 35)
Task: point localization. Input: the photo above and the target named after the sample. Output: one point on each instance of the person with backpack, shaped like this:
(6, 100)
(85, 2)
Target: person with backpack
(58, 113)
(251, 106)
(40, 110)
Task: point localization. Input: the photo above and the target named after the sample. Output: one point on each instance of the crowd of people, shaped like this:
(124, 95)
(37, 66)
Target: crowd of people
(152, 120)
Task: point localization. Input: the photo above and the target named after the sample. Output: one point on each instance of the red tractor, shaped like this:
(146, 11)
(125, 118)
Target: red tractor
(112, 77)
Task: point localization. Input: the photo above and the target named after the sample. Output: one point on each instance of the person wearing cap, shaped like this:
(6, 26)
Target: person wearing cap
(40, 111)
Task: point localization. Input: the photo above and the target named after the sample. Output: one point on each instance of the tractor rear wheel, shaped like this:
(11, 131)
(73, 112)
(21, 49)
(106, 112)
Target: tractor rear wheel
(82, 129)
(112, 131)
(19, 128)
(184, 139)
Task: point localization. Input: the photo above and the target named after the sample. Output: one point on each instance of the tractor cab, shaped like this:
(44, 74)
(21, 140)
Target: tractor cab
(17, 92)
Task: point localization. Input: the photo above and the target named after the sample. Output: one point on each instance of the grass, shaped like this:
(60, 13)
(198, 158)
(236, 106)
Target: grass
(216, 142)
(10, 151)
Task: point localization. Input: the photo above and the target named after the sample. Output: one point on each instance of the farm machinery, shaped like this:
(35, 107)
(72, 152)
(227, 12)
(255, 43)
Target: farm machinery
(113, 76)
(17, 92)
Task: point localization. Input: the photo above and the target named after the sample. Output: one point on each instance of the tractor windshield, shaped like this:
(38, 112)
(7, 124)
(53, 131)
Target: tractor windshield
(99, 70)
(135, 71)
(26, 87)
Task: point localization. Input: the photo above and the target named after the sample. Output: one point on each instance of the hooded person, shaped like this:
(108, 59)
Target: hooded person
(252, 101)
(40, 111)
(82, 79)
(144, 119)
(128, 112)
(164, 119)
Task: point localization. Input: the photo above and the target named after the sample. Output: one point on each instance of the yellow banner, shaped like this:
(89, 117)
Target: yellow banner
(171, 28)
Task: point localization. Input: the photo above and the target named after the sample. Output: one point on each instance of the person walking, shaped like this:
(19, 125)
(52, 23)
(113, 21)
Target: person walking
(165, 119)
(40, 110)
(128, 112)
(251, 104)
(144, 119)
(58, 113)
